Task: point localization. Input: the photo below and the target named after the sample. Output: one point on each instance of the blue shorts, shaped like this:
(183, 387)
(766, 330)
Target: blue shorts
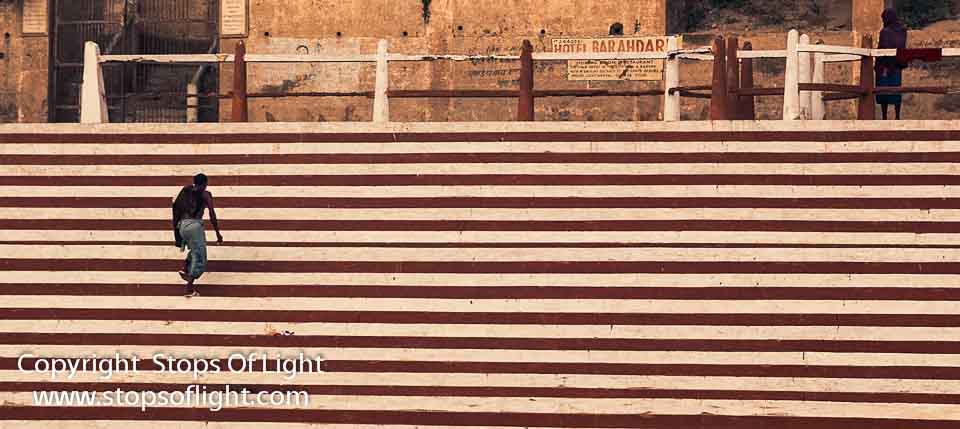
(891, 79)
(194, 239)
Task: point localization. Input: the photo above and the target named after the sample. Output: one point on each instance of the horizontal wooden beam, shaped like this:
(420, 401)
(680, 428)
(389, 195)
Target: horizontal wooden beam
(760, 91)
(839, 92)
(836, 49)
(840, 58)
(850, 89)
(453, 93)
(309, 94)
(840, 96)
(404, 57)
(439, 93)
(689, 94)
(696, 57)
(169, 59)
(911, 89)
(691, 88)
(370, 58)
(836, 54)
(832, 87)
(508, 93)
(594, 93)
(762, 54)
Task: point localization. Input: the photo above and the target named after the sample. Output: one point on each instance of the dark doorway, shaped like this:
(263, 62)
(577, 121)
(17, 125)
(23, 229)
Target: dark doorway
(135, 92)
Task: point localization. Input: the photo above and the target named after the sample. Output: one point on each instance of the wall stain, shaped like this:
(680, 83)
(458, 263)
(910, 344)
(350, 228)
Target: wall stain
(288, 84)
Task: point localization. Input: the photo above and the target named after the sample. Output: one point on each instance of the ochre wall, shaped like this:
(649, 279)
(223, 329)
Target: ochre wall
(23, 70)
(8, 92)
(490, 27)
(448, 27)
(470, 27)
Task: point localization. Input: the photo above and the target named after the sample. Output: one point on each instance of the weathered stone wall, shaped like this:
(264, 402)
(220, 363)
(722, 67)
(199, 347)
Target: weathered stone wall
(444, 26)
(471, 27)
(23, 70)
(8, 87)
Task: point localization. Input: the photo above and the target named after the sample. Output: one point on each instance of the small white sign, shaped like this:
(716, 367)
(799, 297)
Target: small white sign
(234, 18)
(34, 18)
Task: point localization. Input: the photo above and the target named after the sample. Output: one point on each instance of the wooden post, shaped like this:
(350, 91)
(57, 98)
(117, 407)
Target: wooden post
(818, 106)
(671, 79)
(733, 78)
(525, 106)
(718, 94)
(747, 110)
(381, 103)
(239, 111)
(806, 76)
(866, 109)
(791, 86)
(93, 97)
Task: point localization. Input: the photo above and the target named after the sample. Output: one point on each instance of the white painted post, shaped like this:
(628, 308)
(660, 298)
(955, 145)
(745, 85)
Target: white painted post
(671, 79)
(819, 107)
(93, 98)
(192, 102)
(806, 76)
(381, 104)
(791, 92)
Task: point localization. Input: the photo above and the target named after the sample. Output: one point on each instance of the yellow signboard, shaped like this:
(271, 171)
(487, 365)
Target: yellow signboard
(34, 18)
(614, 69)
(234, 18)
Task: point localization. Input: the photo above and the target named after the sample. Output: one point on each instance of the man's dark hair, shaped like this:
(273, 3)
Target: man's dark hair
(200, 179)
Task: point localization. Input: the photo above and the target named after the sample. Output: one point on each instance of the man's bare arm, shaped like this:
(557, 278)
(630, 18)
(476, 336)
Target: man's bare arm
(208, 197)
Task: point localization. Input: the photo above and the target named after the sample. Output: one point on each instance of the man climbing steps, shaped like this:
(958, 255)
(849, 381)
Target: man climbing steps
(188, 230)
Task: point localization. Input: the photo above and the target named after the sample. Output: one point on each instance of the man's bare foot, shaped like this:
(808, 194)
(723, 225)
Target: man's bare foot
(190, 290)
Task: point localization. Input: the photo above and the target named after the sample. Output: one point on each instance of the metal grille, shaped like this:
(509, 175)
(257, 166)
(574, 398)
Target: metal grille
(135, 92)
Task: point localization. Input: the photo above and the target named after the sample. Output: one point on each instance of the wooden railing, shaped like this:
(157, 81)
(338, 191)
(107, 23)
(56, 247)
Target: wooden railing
(525, 94)
(805, 91)
(731, 90)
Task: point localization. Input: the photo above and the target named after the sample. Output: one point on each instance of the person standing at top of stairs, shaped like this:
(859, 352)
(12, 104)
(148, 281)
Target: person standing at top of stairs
(889, 71)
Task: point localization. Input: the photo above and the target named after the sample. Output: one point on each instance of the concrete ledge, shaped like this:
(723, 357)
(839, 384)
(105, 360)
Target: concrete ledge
(453, 127)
